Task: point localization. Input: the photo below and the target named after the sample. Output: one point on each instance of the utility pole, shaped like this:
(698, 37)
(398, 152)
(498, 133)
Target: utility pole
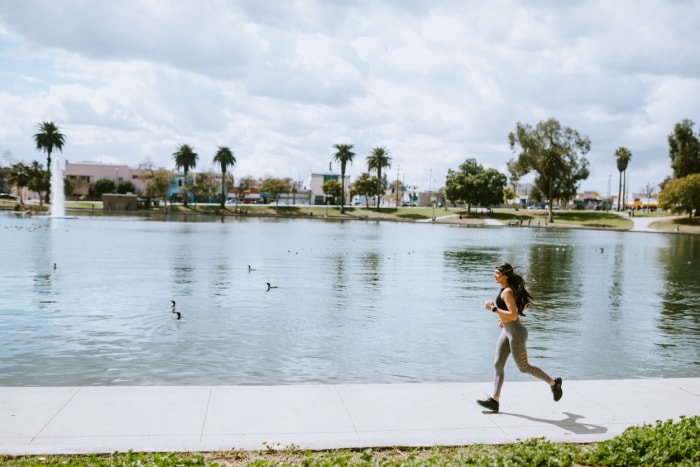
(397, 185)
(430, 189)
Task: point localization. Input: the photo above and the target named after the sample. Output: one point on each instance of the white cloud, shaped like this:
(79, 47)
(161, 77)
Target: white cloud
(435, 82)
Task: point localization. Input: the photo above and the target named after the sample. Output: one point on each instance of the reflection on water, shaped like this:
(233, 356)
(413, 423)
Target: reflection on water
(354, 301)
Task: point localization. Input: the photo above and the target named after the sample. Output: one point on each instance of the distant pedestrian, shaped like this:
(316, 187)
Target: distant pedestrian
(510, 304)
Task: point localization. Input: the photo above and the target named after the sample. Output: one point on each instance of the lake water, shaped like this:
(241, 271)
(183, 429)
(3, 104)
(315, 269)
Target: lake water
(86, 301)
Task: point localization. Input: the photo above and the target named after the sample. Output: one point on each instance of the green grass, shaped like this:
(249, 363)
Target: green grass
(663, 443)
(563, 219)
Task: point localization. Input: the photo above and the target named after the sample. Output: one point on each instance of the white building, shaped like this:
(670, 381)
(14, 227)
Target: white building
(316, 181)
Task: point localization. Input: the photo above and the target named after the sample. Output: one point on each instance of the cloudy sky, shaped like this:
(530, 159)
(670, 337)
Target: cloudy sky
(280, 82)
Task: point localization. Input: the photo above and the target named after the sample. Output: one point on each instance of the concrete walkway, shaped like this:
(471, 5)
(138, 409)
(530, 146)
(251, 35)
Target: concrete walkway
(53, 420)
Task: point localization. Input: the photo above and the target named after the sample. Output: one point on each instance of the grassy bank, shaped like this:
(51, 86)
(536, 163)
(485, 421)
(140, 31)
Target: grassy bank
(664, 443)
(459, 216)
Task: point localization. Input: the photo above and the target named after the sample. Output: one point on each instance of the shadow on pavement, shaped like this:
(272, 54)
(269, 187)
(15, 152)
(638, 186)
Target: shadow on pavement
(569, 423)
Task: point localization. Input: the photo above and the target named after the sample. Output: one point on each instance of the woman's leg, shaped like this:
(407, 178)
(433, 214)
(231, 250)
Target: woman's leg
(518, 345)
(502, 353)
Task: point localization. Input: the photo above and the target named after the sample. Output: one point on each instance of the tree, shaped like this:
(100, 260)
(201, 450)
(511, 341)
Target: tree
(379, 159)
(682, 195)
(5, 174)
(555, 153)
(648, 191)
(343, 156)
(100, 187)
(275, 187)
(245, 185)
(365, 186)
(225, 157)
(125, 186)
(185, 159)
(204, 186)
(331, 188)
(39, 180)
(158, 182)
(473, 185)
(491, 185)
(47, 139)
(20, 177)
(622, 159)
(515, 171)
(684, 149)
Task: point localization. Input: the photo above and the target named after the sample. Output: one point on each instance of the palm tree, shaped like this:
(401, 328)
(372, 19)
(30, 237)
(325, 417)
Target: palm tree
(343, 156)
(20, 178)
(379, 159)
(225, 157)
(622, 156)
(185, 158)
(48, 139)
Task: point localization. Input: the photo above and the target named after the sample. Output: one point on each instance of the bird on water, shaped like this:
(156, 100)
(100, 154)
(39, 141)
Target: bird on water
(177, 313)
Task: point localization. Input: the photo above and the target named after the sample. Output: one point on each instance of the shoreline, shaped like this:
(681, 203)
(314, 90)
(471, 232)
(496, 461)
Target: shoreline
(477, 217)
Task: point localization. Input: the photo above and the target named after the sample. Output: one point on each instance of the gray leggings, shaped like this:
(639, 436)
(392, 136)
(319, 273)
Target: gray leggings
(513, 339)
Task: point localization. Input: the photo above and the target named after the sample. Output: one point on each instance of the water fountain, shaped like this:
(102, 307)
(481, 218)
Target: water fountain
(58, 202)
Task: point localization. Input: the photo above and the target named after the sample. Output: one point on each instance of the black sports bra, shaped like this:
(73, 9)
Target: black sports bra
(499, 301)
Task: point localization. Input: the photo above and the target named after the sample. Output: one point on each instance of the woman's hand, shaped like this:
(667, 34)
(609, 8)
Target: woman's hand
(489, 305)
(500, 323)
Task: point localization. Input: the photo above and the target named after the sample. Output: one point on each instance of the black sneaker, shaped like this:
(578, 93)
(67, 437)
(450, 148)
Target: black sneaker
(556, 389)
(489, 403)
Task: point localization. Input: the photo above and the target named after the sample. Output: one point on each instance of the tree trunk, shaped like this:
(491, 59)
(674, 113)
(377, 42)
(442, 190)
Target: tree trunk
(550, 216)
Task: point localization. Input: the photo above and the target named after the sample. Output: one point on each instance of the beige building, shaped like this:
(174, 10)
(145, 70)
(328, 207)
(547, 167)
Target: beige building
(113, 202)
(81, 175)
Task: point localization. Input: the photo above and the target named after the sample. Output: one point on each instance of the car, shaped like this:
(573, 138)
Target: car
(6, 196)
(234, 201)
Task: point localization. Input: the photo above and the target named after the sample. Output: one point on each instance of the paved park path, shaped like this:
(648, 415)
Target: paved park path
(105, 419)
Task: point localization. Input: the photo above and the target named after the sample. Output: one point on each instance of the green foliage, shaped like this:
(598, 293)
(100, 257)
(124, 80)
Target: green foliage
(125, 187)
(555, 153)
(20, 177)
(378, 160)
(157, 182)
(126, 459)
(533, 452)
(681, 194)
(185, 158)
(245, 185)
(276, 186)
(364, 186)
(204, 185)
(49, 138)
(665, 443)
(684, 149)
(101, 187)
(475, 186)
(343, 155)
(622, 160)
(224, 156)
(39, 180)
(332, 188)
